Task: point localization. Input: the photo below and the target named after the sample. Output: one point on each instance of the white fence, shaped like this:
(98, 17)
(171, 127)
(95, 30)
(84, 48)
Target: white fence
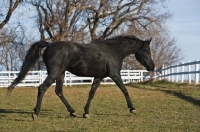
(35, 78)
(183, 72)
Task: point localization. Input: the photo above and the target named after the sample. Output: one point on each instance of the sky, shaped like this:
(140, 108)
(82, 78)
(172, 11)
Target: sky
(185, 27)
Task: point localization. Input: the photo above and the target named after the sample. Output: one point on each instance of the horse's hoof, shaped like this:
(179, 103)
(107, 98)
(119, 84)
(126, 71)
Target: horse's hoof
(133, 111)
(34, 116)
(86, 115)
(73, 114)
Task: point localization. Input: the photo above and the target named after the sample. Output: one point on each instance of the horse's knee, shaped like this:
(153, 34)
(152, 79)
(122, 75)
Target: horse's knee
(125, 91)
(58, 93)
(41, 90)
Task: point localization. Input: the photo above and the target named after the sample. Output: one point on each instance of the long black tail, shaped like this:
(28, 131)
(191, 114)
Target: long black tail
(30, 60)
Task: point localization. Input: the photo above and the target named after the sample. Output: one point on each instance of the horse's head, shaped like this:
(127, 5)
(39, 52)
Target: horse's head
(144, 56)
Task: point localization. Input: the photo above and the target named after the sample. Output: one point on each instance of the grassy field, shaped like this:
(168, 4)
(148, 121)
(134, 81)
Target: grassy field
(161, 107)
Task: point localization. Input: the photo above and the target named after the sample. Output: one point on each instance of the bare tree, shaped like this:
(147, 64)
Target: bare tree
(7, 58)
(105, 17)
(164, 51)
(72, 19)
(10, 6)
(12, 48)
(60, 20)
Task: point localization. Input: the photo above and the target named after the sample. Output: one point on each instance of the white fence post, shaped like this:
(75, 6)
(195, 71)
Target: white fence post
(40, 76)
(196, 74)
(172, 72)
(70, 79)
(169, 72)
(177, 69)
(163, 72)
(182, 75)
(166, 72)
(9, 77)
(65, 79)
(189, 75)
(142, 75)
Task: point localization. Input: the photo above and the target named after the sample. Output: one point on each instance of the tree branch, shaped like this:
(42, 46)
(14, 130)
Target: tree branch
(10, 11)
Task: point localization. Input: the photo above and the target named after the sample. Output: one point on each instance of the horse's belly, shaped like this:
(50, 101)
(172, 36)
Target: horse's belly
(89, 70)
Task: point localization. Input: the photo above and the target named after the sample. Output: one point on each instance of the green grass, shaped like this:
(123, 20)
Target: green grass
(160, 106)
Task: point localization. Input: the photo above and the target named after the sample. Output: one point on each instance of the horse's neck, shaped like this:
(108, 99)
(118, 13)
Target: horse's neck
(125, 48)
(128, 49)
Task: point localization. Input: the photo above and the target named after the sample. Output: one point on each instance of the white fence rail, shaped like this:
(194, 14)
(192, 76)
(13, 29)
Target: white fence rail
(35, 78)
(183, 72)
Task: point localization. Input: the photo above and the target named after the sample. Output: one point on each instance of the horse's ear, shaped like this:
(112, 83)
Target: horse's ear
(146, 43)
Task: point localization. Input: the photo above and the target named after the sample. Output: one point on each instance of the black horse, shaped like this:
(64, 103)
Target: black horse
(99, 59)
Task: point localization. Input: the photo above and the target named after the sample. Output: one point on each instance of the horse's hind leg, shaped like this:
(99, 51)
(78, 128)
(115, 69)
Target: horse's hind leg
(59, 92)
(41, 90)
(94, 87)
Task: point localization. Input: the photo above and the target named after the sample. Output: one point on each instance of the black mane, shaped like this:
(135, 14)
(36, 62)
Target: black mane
(118, 41)
(122, 37)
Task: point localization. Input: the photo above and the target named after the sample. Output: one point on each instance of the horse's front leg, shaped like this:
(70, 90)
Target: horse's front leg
(117, 79)
(94, 87)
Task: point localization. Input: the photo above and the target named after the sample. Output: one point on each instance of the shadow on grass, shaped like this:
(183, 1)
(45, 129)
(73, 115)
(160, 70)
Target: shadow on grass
(4, 113)
(113, 114)
(13, 111)
(174, 93)
(182, 96)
